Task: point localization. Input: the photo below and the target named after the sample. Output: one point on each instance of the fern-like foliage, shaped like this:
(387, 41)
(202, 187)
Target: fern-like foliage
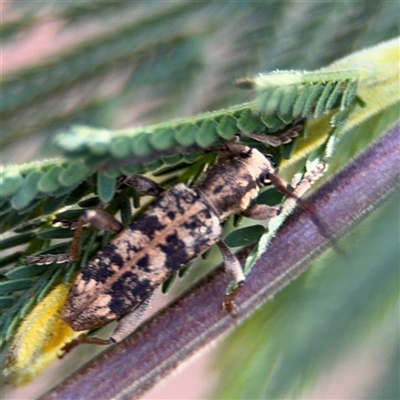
(182, 57)
(142, 64)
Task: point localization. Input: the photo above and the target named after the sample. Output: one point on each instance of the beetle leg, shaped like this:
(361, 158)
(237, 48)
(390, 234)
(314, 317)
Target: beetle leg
(235, 271)
(277, 140)
(232, 264)
(82, 338)
(299, 190)
(306, 182)
(228, 149)
(46, 259)
(261, 212)
(128, 323)
(102, 220)
(273, 141)
(97, 217)
(142, 185)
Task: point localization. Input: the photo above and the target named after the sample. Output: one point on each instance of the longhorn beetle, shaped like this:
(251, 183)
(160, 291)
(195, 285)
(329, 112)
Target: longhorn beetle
(183, 223)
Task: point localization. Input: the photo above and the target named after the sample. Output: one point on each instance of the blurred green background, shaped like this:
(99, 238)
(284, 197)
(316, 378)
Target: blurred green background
(121, 64)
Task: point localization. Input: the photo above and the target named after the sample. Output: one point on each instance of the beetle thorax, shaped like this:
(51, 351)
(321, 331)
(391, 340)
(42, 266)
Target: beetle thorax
(230, 186)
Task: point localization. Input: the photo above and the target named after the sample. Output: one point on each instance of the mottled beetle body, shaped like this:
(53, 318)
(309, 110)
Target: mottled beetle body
(182, 224)
(179, 227)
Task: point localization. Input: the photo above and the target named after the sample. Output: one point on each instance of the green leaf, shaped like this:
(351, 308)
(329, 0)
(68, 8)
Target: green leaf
(49, 182)
(248, 122)
(69, 214)
(186, 135)
(173, 159)
(105, 187)
(227, 127)
(167, 285)
(6, 301)
(331, 101)
(153, 165)
(73, 174)
(10, 259)
(301, 101)
(16, 240)
(77, 139)
(52, 204)
(270, 102)
(270, 197)
(120, 147)
(207, 134)
(286, 104)
(163, 139)
(55, 233)
(312, 99)
(141, 145)
(132, 170)
(272, 122)
(27, 192)
(26, 271)
(244, 236)
(14, 285)
(10, 182)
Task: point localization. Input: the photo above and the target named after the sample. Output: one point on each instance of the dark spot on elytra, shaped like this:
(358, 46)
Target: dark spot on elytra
(179, 202)
(97, 270)
(148, 225)
(218, 189)
(127, 281)
(103, 274)
(175, 251)
(143, 263)
(197, 221)
(122, 293)
(127, 292)
(87, 272)
(192, 224)
(118, 305)
(100, 268)
(171, 215)
(111, 252)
